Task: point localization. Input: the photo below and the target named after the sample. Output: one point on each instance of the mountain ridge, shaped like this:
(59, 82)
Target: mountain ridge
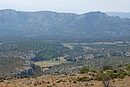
(47, 24)
(120, 14)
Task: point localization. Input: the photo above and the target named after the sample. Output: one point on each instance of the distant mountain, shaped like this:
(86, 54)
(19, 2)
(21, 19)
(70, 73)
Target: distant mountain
(53, 25)
(120, 14)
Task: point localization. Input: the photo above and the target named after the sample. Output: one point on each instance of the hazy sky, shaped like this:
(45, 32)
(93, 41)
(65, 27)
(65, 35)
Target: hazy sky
(70, 6)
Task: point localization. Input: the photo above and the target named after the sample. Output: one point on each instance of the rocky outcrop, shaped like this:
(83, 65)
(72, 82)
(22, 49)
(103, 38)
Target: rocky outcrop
(27, 71)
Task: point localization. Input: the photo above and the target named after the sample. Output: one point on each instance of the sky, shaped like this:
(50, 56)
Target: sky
(67, 6)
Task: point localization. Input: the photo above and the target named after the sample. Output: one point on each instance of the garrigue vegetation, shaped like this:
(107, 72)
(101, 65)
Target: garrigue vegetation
(10, 64)
(19, 54)
(105, 75)
(93, 55)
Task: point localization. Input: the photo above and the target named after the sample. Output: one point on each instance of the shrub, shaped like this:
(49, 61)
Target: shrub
(109, 71)
(107, 68)
(99, 76)
(83, 70)
(119, 66)
(49, 86)
(128, 67)
(111, 74)
(92, 70)
(83, 79)
(121, 74)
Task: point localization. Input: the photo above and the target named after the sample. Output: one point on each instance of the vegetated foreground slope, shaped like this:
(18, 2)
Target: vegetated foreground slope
(119, 77)
(53, 25)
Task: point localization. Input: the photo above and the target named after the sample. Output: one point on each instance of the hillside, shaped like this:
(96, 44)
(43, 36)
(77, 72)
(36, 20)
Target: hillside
(116, 78)
(63, 26)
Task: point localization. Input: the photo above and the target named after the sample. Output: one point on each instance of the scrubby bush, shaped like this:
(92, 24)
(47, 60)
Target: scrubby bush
(107, 68)
(99, 76)
(128, 67)
(92, 70)
(83, 79)
(119, 66)
(83, 70)
(121, 74)
(111, 74)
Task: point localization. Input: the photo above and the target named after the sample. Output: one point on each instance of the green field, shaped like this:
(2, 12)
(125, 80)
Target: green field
(50, 63)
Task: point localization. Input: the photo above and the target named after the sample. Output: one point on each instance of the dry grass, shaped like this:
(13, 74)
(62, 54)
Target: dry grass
(62, 81)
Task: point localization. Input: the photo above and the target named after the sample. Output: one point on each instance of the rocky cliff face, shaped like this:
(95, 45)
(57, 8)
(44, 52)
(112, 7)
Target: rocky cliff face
(27, 70)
